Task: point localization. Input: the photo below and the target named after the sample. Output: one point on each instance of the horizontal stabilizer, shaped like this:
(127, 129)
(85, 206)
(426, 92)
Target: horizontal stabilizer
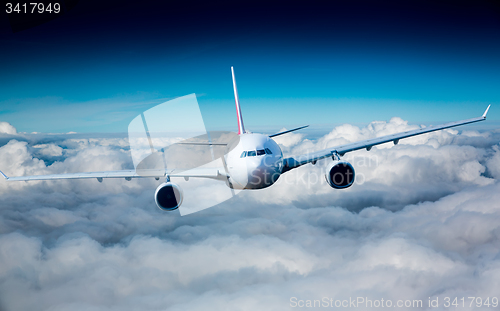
(204, 144)
(284, 132)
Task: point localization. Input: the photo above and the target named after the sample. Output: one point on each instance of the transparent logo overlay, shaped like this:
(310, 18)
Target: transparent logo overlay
(171, 140)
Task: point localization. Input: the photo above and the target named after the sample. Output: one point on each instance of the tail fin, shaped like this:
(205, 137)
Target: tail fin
(241, 127)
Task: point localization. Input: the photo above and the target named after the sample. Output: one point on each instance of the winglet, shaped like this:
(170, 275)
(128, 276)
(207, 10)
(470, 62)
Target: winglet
(486, 111)
(5, 176)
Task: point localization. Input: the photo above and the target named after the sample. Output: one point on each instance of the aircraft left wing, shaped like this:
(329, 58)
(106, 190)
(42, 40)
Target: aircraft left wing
(201, 172)
(296, 161)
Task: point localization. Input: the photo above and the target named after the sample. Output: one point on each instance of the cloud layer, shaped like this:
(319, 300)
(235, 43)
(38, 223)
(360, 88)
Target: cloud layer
(422, 220)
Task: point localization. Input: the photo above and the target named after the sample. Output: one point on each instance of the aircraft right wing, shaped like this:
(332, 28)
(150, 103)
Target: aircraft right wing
(200, 172)
(296, 161)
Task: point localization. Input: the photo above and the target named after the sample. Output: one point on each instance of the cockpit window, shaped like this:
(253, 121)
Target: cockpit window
(254, 153)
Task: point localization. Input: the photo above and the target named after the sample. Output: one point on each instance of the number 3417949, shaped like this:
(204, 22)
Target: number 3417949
(33, 7)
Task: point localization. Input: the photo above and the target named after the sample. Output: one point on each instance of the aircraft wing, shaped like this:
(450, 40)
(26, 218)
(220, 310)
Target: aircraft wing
(296, 161)
(201, 172)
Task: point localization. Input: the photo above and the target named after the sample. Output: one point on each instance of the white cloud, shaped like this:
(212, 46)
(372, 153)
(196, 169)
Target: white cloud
(425, 222)
(49, 150)
(7, 128)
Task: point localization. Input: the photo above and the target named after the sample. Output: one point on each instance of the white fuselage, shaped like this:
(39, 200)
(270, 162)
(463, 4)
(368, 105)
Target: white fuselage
(254, 161)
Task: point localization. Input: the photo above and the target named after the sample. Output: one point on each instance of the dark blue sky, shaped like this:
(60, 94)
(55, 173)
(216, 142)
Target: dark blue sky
(98, 65)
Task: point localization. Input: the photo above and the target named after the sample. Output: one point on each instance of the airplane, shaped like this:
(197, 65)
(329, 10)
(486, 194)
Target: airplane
(253, 161)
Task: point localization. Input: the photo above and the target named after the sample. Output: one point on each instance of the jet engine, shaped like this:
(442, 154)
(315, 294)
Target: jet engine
(340, 175)
(168, 196)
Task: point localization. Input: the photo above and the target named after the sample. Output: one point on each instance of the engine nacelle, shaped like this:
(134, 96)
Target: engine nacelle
(340, 175)
(168, 196)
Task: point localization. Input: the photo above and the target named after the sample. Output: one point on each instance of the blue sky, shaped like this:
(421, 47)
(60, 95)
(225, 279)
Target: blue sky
(94, 70)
